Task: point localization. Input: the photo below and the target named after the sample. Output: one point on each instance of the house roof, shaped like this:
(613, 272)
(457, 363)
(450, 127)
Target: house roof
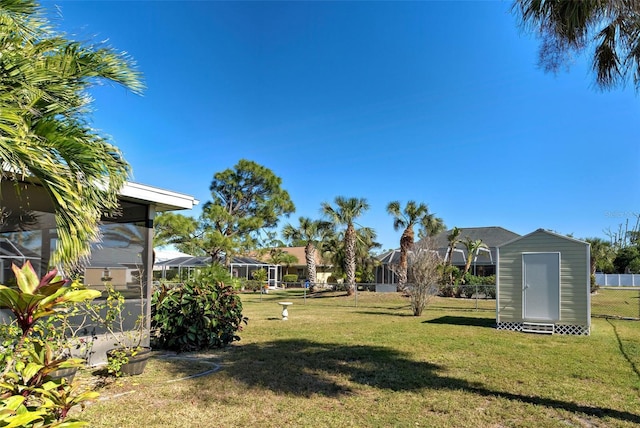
(299, 253)
(191, 261)
(492, 236)
(164, 200)
(391, 257)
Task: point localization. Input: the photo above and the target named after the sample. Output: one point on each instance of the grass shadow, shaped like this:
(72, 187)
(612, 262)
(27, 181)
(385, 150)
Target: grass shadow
(623, 351)
(392, 314)
(306, 368)
(460, 320)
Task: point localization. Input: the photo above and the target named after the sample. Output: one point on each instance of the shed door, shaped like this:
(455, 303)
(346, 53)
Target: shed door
(541, 286)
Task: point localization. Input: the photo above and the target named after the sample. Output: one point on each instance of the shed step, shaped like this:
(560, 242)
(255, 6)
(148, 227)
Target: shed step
(534, 327)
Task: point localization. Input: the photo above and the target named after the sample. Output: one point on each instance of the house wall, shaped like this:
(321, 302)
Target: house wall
(575, 300)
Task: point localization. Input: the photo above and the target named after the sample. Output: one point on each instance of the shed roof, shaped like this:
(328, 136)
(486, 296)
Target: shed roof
(548, 232)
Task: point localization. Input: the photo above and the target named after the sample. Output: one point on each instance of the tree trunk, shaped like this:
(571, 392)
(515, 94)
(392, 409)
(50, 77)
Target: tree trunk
(406, 242)
(350, 258)
(310, 256)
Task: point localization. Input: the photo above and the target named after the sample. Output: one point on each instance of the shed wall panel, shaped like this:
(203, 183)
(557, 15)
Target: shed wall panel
(574, 279)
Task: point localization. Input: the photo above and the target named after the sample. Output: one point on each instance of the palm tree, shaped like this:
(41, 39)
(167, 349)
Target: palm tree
(566, 27)
(311, 233)
(333, 250)
(602, 255)
(44, 132)
(344, 213)
(413, 214)
(430, 226)
(366, 262)
(453, 237)
(280, 257)
(472, 246)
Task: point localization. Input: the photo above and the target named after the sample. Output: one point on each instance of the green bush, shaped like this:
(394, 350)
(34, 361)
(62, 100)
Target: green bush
(594, 284)
(292, 277)
(199, 314)
(253, 285)
(446, 290)
(467, 290)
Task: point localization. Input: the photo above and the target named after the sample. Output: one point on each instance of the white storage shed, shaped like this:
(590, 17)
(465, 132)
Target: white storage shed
(543, 284)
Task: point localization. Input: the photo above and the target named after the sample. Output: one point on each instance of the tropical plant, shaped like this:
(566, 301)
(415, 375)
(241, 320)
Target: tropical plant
(44, 132)
(30, 396)
(413, 214)
(473, 246)
(430, 226)
(311, 233)
(610, 27)
(35, 298)
(601, 255)
(112, 316)
(453, 238)
(344, 213)
(333, 251)
(280, 257)
(197, 315)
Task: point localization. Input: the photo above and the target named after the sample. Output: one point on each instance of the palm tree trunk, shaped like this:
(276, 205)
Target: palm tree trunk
(350, 258)
(406, 242)
(310, 256)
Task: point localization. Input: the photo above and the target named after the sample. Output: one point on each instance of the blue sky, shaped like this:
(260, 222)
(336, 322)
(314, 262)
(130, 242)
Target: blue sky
(438, 102)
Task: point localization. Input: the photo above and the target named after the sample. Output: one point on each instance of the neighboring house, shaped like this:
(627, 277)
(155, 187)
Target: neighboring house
(484, 263)
(185, 265)
(299, 267)
(124, 255)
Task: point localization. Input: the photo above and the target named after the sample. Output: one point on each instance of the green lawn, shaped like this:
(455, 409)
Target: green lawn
(334, 364)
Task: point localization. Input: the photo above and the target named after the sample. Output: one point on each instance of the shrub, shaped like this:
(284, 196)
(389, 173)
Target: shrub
(196, 315)
(594, 285)
(290, 277)
(253, 285)
(423, 272)
(446, 290)
(467, 290)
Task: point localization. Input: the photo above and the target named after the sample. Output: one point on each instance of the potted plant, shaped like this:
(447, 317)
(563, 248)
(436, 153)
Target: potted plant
(128, 356)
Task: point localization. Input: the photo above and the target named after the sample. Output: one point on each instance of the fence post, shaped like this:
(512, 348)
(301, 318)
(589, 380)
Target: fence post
(476, 297)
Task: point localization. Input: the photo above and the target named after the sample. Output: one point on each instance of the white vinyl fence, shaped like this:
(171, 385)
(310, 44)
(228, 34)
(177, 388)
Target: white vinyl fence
(617, 280)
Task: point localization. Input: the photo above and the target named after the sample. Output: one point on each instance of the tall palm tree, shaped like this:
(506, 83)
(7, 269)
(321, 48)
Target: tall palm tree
(310, 232)
(44, 132)
(344, 213)
(472, 246)
(405, 219)
(333, 250)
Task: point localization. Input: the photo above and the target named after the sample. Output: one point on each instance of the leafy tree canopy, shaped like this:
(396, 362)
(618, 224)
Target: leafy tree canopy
(247, 201)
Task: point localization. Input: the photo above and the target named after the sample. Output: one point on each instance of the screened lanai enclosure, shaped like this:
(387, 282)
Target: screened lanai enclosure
(123, 256)
(182, 268)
